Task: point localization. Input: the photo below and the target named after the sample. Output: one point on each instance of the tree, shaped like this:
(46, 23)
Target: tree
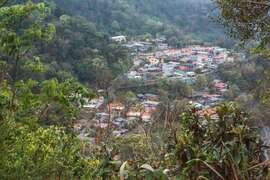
(223, 147)
(247, 21)
(235, 161)
(232, 92)
(115, 26)
(29, 149)
(173, 41)
(46, 153)
(32, 99)
(168, 112)
(128, 99)
(201, 82)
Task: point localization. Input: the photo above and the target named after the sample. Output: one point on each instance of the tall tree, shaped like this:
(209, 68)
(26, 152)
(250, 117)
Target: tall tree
(246, 20)
(30, 150)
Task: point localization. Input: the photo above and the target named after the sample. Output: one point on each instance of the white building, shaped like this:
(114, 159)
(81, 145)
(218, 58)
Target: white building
(119, 39)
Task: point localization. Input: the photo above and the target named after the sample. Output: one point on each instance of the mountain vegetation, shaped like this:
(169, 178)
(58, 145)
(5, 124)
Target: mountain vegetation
(54, 54)
(174, 19)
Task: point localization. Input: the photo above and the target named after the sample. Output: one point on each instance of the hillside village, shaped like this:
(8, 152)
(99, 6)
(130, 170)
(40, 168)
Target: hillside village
(134, 89)
(183, 64)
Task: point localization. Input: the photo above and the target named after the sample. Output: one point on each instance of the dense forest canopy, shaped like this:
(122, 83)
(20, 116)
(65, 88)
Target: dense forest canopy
(172, 18)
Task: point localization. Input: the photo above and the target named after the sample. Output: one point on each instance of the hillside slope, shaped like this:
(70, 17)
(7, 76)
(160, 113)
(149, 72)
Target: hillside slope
(172, 18)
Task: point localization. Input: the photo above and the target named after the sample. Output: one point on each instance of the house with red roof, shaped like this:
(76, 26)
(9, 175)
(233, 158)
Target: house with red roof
(221, 87)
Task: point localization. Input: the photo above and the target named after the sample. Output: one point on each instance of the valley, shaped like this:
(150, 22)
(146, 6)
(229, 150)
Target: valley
(134, 89)
(154, 62)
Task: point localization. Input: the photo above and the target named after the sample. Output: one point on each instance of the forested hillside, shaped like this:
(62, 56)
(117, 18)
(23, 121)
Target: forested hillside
(75, 104)
(178, 20)
(81, 49)
(82, 46)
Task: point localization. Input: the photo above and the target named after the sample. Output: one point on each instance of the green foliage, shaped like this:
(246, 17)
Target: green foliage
(223, 147)
(29, 149)
(201, 148)
(201, 82)
(249, 86)
(35, 66)
(44, 153)
(39, 98)
(41, 153)
(21, 25)
(183, 21)
(79, 48)
(32, 99)
(247, 21)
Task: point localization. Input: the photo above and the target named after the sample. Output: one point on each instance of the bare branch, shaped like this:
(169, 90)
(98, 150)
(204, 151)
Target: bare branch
(259, 3)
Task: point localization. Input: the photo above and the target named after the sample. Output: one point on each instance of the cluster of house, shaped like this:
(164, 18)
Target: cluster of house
(180, 64)
(117, 115)
(145, 108)
(206, 102)
(138, 46)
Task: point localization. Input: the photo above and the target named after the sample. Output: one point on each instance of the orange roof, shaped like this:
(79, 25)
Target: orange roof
(116, 106)
(210, 112)
(133, 114)
(146, 115)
